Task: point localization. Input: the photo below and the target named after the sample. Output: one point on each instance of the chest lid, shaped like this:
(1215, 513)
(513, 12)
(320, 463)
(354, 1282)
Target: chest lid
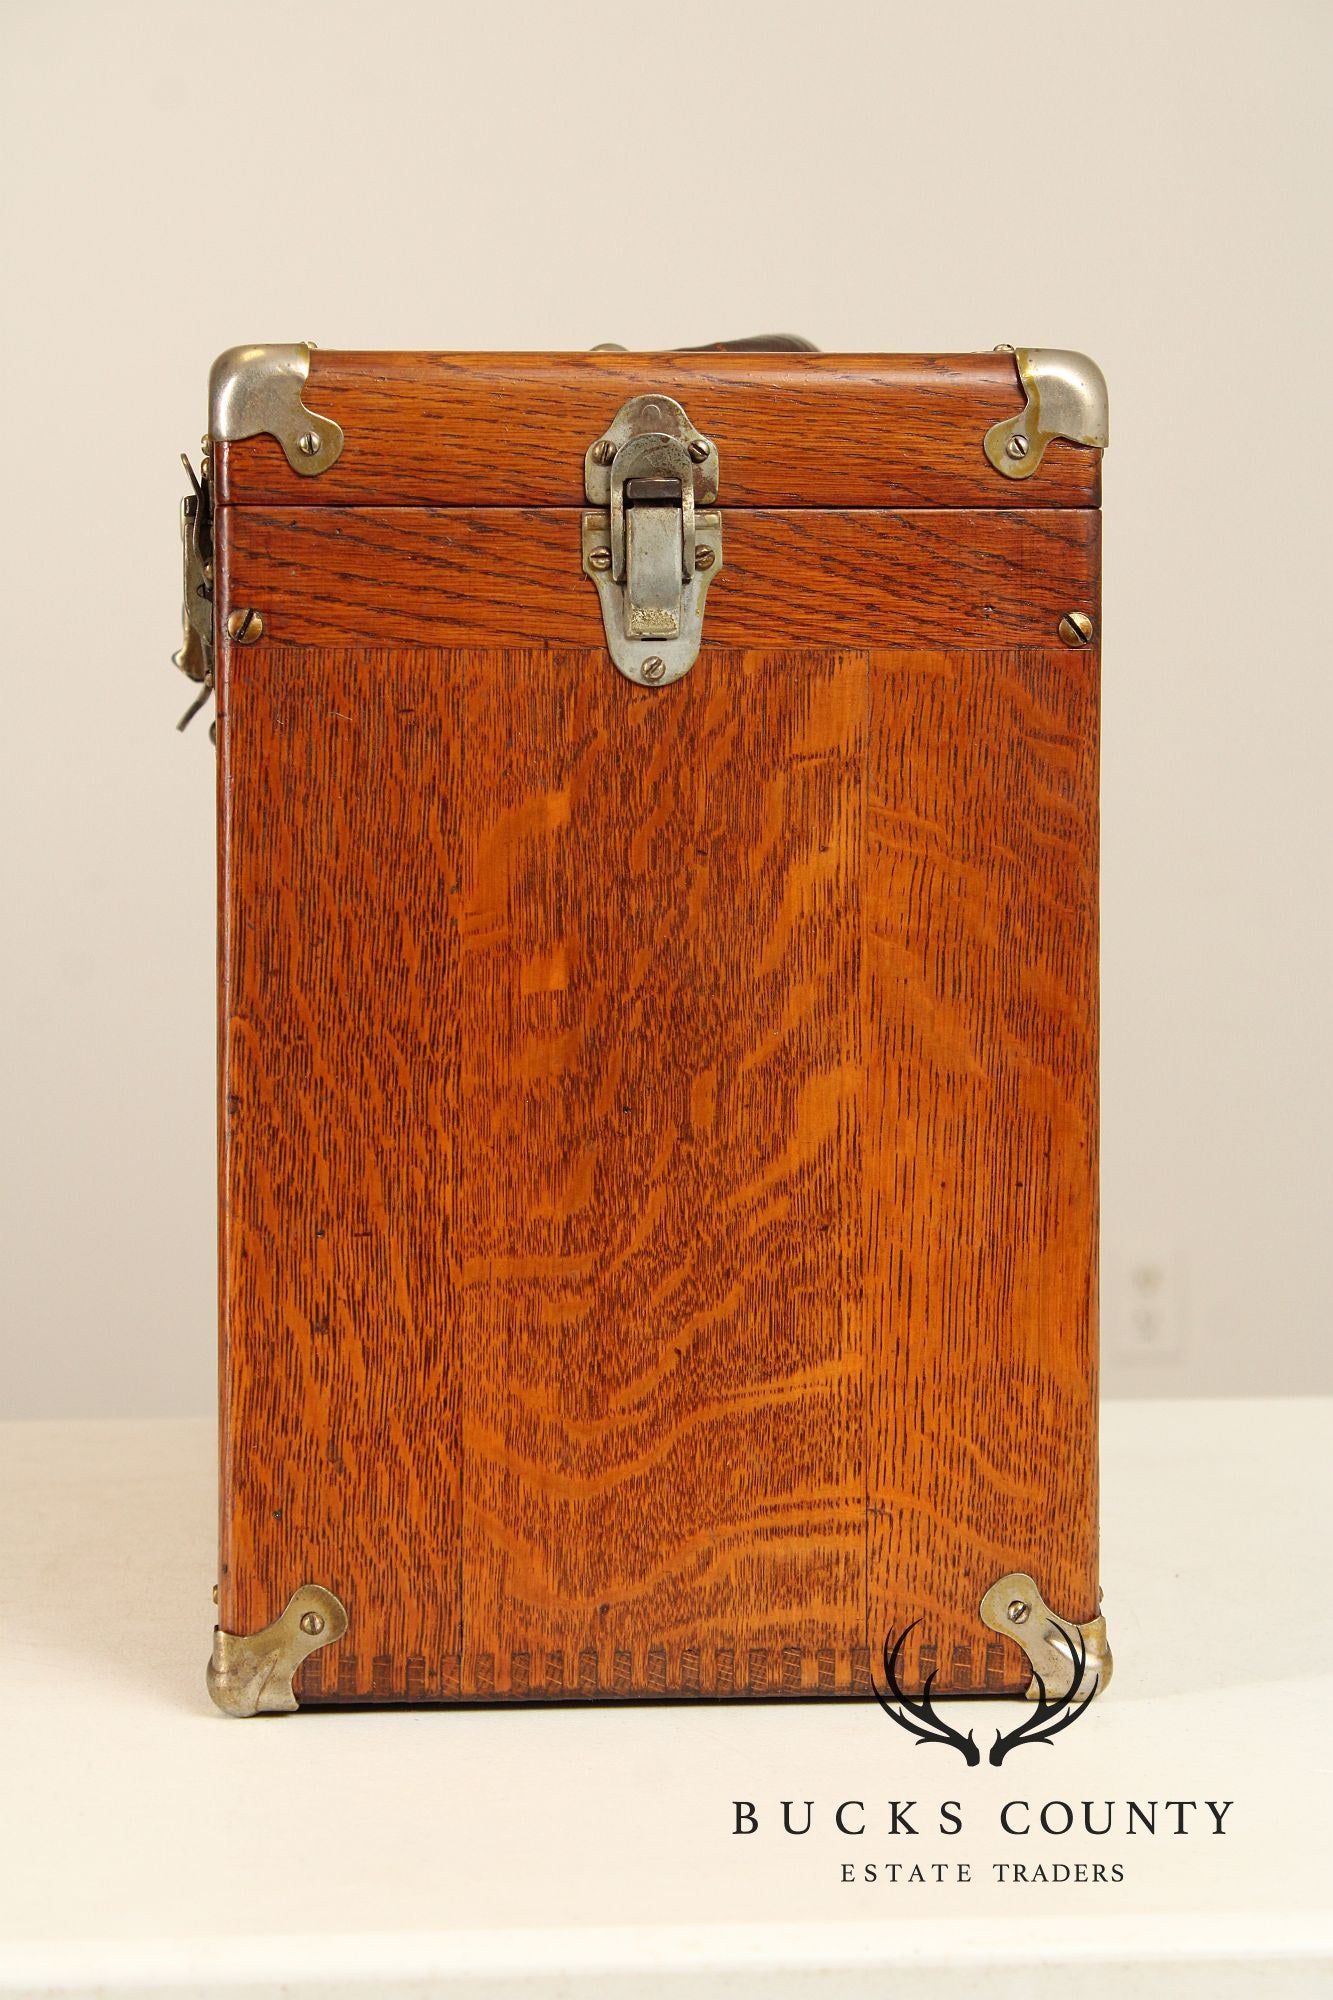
(654, 448)
(299, 425)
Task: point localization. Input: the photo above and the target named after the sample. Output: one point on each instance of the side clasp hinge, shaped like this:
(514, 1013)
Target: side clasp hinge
(652, 542)
(195, 658)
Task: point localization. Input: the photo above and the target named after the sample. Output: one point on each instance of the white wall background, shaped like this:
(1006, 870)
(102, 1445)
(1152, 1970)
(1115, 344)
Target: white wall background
(1148, 182)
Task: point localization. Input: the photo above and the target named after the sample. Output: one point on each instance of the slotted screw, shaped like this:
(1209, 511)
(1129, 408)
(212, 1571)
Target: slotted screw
(245, 627)
(1076, 628)
(654, 669)
(312, 1623)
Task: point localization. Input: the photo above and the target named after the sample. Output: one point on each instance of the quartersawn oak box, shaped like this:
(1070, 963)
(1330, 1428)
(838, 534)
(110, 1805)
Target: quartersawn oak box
(657, 808)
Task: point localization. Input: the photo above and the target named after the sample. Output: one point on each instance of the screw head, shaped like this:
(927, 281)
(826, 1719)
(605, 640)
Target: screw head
(699, 449)
(1076, 628)
(603, 452)
(653, 669)
(1017, 446)
(1018, 1612)
(704, 558)
(599, 559)
(312, 1623)
(245, 627)
(309, 441)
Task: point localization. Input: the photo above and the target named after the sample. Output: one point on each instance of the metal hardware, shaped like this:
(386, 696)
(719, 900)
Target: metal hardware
(256, 390)
(649, 547)
(199, 702)
(1015, 1608)
(1066, 398)
(195, 658)
(755, 343)
(1075, 628)
(245, 627)
(253, 1676)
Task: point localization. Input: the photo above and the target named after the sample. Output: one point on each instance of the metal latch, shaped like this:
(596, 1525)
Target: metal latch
(653, 544)
(195, 658)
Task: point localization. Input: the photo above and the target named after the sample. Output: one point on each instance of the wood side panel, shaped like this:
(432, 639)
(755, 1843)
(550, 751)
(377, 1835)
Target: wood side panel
(793, 430)
(340, 1053)
(431, 577)
(663, 1427)
(980, 989)
(527, 974)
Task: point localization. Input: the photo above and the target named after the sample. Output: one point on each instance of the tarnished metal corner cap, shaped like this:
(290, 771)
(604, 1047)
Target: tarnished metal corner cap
(1016, 1609)
(1070, 392)
(252, 1673)
(256, 391)
(1066, 398)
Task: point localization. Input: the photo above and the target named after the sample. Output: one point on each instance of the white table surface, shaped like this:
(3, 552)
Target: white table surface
(150, 1846)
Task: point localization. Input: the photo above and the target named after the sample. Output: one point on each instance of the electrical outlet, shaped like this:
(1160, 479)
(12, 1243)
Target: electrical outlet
(1149, 1321)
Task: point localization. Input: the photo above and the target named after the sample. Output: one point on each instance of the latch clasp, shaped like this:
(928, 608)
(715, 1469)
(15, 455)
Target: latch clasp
(654, 543)
(195, 658)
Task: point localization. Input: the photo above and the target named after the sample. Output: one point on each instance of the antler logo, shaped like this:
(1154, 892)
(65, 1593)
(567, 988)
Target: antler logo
(919, 1718)
(1046, 1719)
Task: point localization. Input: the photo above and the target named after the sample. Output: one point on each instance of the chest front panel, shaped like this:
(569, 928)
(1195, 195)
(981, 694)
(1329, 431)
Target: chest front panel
(658, 1124)
(659, 1152)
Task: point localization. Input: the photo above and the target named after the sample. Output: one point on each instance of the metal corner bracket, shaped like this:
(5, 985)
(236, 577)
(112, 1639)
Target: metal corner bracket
(252, 1675)
(1066, 398)
(257, 390)
(1016, 1609)
(654, 542)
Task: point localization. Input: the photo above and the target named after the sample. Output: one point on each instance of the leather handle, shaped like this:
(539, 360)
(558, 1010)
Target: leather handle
(756, 343)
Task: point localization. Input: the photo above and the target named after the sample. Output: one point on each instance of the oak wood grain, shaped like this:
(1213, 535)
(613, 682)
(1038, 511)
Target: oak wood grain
(663, 1436)
(793, 430)
(658, 1162)
(340, 1052)
(451, 577)
(980, 1107)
